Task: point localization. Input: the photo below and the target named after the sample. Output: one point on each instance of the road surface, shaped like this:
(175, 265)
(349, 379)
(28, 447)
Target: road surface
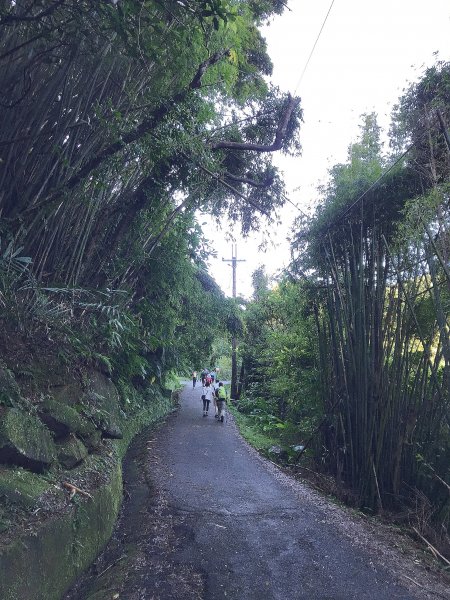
(206, 518)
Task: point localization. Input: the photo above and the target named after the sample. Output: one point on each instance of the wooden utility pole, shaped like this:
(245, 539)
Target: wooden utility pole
(233, 260)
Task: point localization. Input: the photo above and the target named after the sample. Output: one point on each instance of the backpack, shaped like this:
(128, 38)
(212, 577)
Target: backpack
(221, 393)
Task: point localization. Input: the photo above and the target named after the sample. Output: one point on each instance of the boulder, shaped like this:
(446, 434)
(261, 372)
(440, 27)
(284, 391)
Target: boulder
(66, 392)
(63, 420)
(101, 403)
(71, 452)
(25, 441)
(22, 488)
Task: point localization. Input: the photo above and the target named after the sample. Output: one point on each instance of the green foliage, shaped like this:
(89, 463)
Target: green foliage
(102, 188)
(279, 352)
(352, 350)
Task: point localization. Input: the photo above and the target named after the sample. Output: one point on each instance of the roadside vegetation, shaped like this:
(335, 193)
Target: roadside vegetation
(348, 353)
(119, 122)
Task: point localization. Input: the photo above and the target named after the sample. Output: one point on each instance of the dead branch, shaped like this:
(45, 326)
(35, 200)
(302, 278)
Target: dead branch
(73, 489)
(432, 549)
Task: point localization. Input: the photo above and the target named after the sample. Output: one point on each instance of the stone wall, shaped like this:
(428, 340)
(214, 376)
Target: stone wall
(42, 558)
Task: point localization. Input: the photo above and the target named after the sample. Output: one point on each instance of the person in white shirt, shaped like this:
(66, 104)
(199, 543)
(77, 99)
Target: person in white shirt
(207, 395)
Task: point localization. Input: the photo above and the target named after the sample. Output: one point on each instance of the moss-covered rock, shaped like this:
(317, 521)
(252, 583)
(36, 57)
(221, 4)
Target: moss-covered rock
(63, 420)
(43, 563)
(25, 441)
(101, 403)
(42, 566)
(67, 393)
(22, 488)
(71, 452)
(9, 390)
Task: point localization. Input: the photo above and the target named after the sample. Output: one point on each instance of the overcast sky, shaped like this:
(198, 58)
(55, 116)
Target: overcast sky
(367, 54)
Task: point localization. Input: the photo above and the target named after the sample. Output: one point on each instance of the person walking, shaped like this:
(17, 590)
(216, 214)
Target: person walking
(206, 397)
(194, 379)
(221, 396)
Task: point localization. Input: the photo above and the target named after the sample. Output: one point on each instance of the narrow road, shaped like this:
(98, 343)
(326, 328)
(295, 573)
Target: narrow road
(207, 519)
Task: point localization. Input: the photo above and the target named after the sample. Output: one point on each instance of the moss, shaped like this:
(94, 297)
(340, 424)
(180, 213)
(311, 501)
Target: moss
(22, 487)
(25, 441)
(71, 452)
(63, 419)
(45, 564)
(9, 390)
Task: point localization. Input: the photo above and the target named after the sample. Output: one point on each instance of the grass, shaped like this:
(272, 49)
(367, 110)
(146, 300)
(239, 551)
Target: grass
(250, 432)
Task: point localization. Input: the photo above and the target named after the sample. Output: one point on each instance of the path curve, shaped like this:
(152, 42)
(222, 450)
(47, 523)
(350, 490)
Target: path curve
(216, 523)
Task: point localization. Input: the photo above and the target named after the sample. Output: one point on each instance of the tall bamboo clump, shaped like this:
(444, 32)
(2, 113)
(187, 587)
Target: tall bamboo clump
(383, 325)
(75, 81)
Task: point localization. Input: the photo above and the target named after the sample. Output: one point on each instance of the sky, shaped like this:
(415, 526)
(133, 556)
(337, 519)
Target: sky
(367, 54)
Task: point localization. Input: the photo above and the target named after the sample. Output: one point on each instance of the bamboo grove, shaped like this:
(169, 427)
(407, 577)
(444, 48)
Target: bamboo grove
(364, 313)
(119, 120)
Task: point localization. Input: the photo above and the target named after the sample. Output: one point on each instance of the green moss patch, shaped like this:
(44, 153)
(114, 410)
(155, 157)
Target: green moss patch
(63, 419)
(25, 441)
(22, 487)
(45, 563)
(9, 390)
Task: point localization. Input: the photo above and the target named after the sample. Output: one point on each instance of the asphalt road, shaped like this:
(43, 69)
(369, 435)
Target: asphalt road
(249, 535)
(215, 523)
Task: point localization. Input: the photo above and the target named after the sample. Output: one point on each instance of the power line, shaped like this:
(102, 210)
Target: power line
(380, 178)
(369, 189)
(314, 47)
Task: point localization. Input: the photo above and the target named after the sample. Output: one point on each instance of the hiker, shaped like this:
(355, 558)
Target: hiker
(213, 376)
(194, 379)
(221, 397)
(215, 386)
(203, 376)
(206, 398)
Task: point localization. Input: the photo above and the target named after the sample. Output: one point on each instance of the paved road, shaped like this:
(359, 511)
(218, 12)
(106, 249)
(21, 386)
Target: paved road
(225, 527)
(251, 536)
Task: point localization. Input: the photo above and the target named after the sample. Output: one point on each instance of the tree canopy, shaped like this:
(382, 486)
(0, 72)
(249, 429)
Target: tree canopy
(119, 121)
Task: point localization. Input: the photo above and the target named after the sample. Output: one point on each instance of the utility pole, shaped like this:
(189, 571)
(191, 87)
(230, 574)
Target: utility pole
(233, 260)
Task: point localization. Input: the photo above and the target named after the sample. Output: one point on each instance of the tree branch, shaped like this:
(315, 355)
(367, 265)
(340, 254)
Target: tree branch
(146, 126)
(258, 184)
(11, 18)
(279, 136)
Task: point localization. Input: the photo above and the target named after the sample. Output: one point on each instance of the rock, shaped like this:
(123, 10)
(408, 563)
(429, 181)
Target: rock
(22, 488)
(71, 452)
(101, 403)
(25, 441)
(66, 393)
(278, 452)
(63, 420)
(298, 448)
(9, 390)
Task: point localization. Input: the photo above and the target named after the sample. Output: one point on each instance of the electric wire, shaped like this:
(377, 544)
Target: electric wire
(313, 48)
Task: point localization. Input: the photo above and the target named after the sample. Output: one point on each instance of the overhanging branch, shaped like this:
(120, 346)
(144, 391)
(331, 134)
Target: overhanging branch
(145, 127)
(279, 136)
